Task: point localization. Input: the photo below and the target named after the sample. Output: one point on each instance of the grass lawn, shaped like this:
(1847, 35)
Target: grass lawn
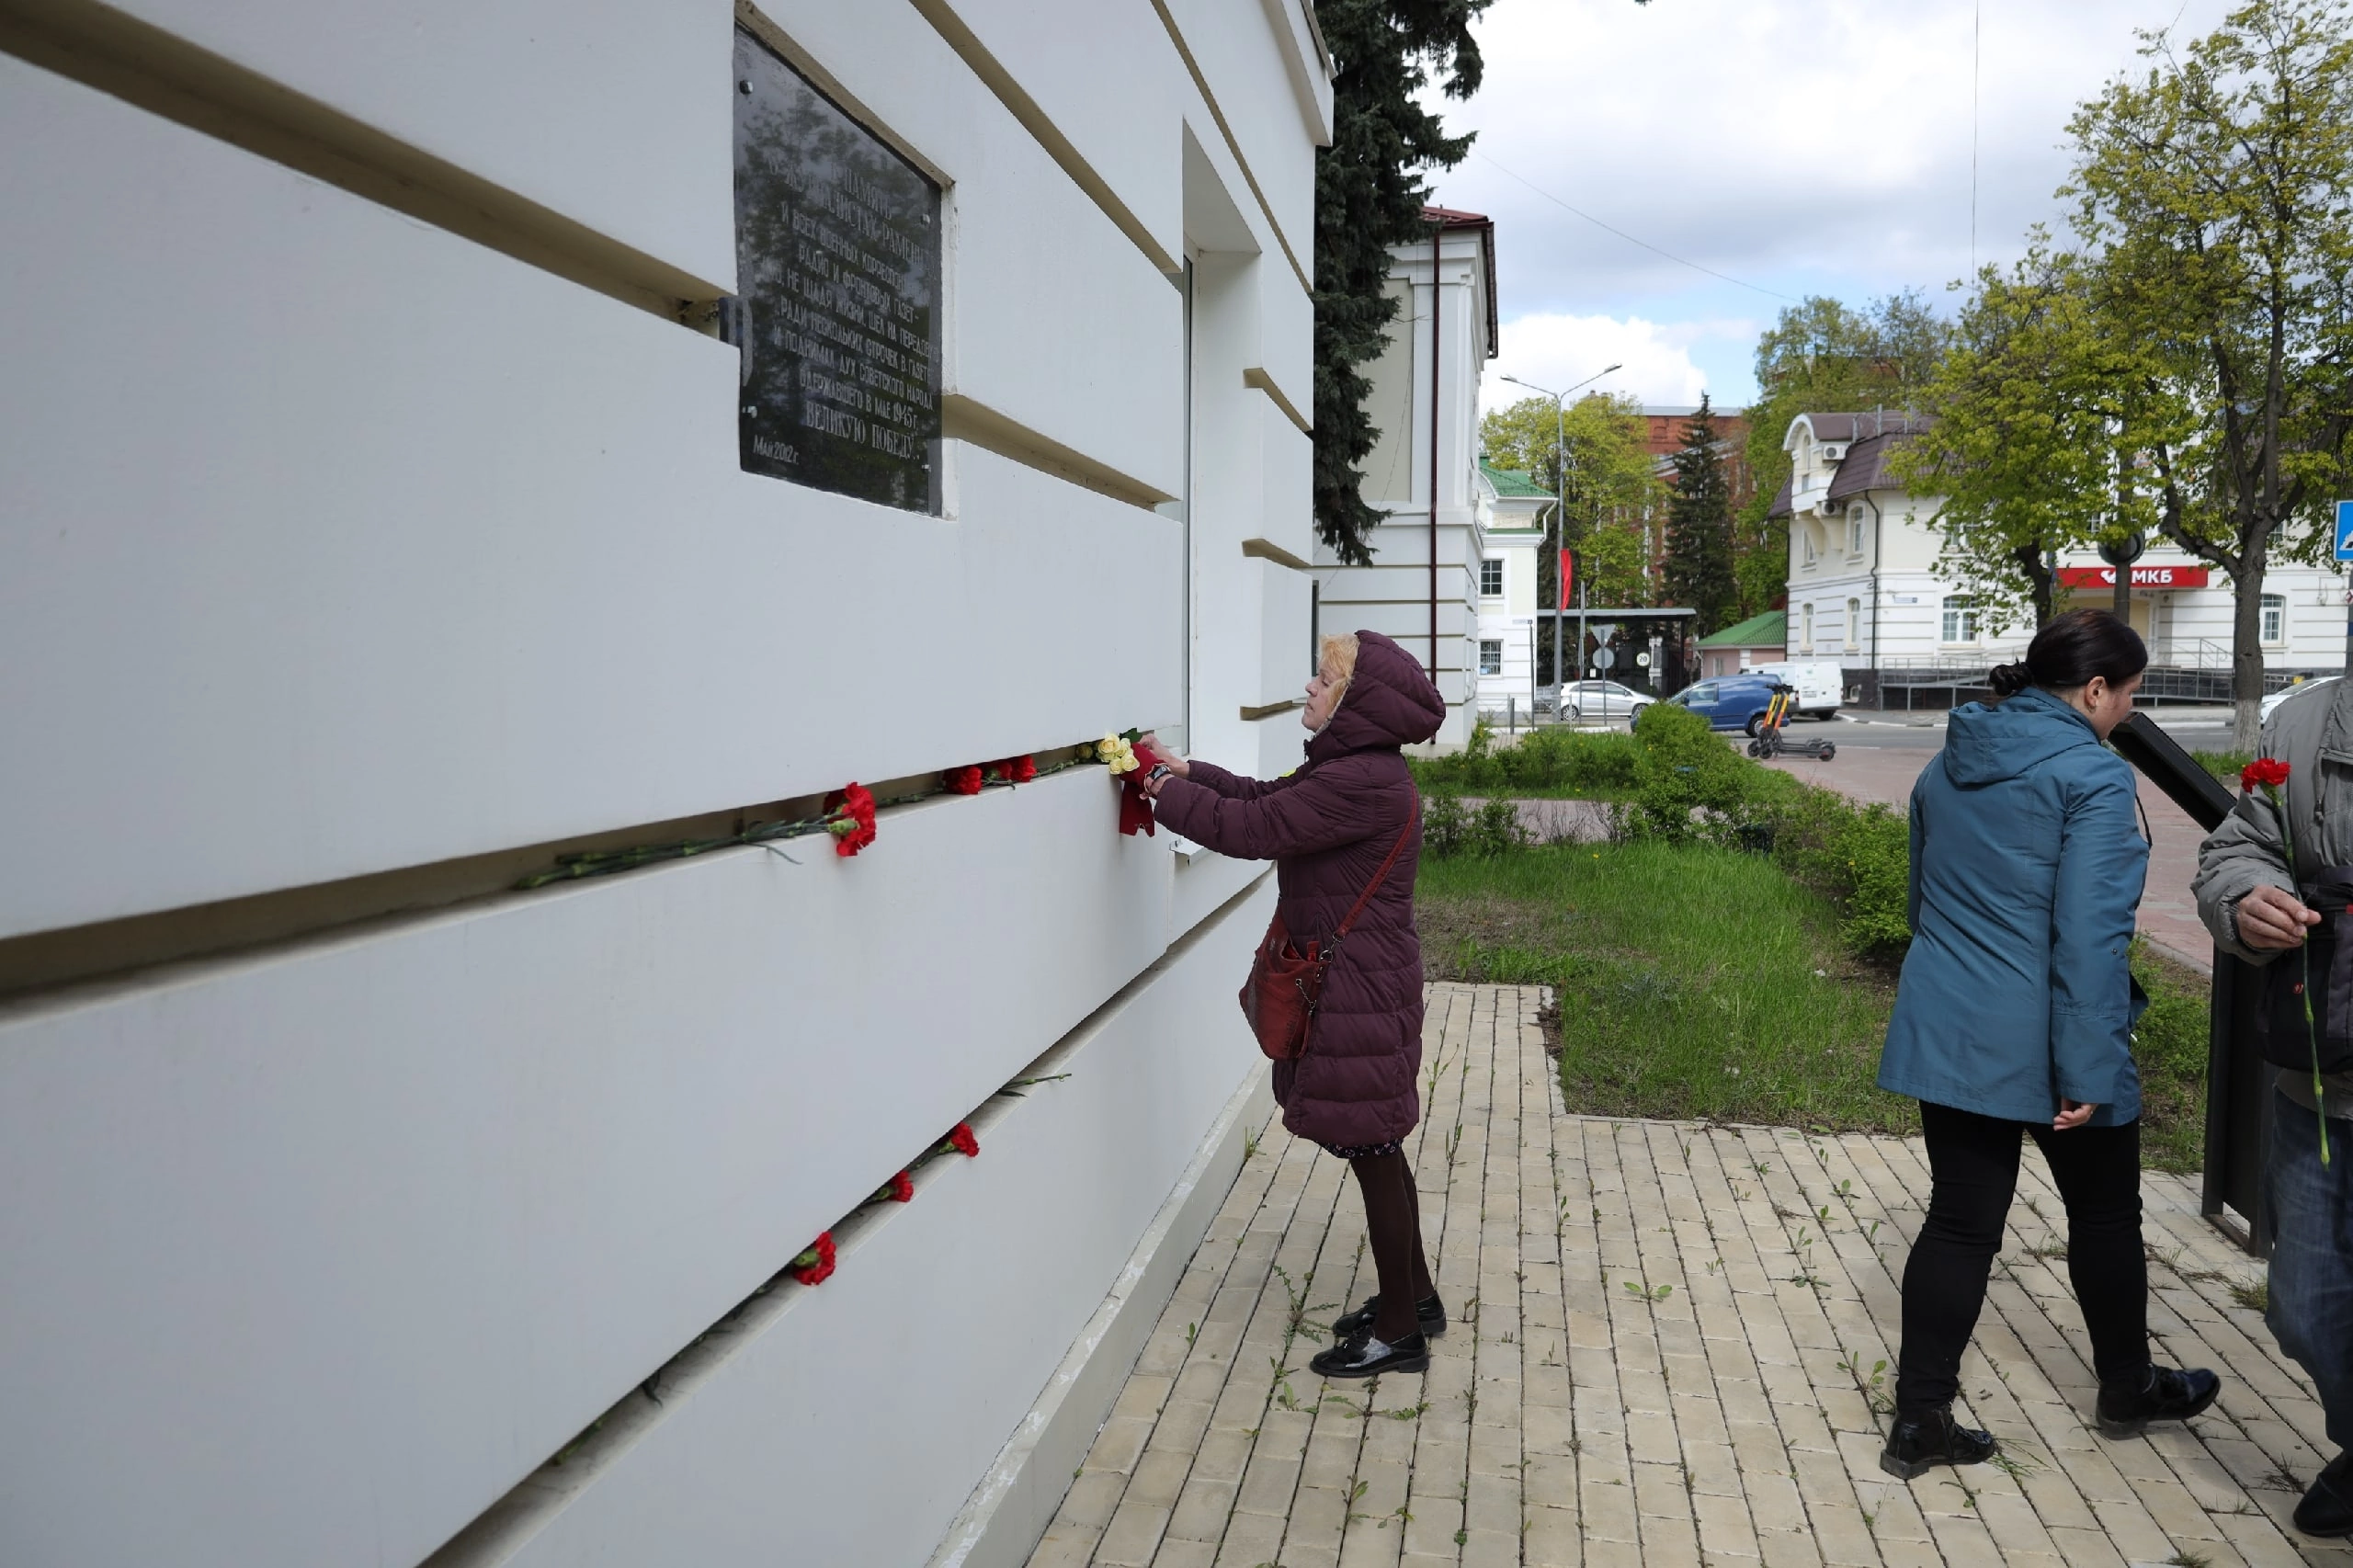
(1702, 983)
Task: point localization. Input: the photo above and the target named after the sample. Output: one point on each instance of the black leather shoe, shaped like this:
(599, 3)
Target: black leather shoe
(2327, 1508)
(1430, 1317)
(2167, 1395)
(1916, 1445)
(1365, 1357)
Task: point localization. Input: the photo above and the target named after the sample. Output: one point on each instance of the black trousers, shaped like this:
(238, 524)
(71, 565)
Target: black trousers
(1973, 1164)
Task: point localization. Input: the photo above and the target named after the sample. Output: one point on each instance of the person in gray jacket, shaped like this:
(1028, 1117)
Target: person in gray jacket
(2015, 1013)
(2249, 899)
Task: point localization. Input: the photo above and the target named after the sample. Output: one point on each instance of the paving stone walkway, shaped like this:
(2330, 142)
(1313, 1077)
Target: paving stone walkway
(1667, 1349)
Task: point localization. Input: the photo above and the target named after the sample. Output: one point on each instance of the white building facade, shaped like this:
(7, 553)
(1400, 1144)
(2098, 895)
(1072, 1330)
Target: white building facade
(1422, 474)
(1865, 589)
(1515, 510)
(453, 436)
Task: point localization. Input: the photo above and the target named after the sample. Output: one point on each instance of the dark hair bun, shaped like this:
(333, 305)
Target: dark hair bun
(2069, 650)
(2008, 680)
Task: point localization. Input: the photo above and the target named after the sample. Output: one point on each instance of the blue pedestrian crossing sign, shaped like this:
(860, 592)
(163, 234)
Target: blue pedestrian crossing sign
(2344, 531)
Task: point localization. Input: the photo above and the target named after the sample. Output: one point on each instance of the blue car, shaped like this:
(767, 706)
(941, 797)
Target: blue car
(1730, 702)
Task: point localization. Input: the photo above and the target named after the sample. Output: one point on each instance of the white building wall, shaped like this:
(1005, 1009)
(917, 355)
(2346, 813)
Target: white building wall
(1411, 582)
(1509, 620)
(1897, 613)
(357, 559)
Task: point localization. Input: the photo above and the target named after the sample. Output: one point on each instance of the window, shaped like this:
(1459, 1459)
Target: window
(2275, 618)
(1805, 634)
(1854, 623)
(1491, 576)
(1854, 530)
(1805, 535)
(1491, 654)
(1960, 619)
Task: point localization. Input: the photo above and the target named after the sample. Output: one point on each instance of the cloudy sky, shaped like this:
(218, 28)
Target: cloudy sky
(1799, 146)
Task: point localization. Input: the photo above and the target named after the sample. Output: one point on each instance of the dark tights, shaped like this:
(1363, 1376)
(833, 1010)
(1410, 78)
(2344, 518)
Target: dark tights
(1973, 1169)
(1393, 1220)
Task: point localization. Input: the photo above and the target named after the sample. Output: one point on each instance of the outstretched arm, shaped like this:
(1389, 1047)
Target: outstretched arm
(1286, 816)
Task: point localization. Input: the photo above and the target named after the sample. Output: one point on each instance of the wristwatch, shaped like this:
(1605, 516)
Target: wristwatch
(1159, 770)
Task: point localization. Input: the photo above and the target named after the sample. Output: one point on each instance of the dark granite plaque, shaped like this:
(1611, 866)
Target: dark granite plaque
(838, 254)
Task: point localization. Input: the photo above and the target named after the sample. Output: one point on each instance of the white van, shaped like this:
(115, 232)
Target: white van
(1821, 686)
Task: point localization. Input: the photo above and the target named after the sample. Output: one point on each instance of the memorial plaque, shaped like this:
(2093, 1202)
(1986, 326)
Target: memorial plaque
(838, 318)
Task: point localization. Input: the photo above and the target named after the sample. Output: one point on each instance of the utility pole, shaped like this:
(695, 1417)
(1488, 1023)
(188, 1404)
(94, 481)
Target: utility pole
(1560, 523)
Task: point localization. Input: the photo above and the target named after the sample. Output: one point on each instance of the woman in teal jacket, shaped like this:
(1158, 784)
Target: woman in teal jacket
(2016, 1011)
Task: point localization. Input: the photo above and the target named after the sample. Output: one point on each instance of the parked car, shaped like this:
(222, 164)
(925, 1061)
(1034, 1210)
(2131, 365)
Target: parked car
(2285, 692)
(1582, 700)
(1730, 702)
(1821, 685)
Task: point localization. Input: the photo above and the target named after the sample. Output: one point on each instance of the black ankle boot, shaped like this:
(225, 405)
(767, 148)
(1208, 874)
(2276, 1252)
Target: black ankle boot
(1916, 1444)
(2164, 1395)
(2327, 1508)
(1429, 1318)
(1365, 1357)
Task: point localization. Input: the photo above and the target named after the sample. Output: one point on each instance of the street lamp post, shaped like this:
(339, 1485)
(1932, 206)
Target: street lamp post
(1560, 519)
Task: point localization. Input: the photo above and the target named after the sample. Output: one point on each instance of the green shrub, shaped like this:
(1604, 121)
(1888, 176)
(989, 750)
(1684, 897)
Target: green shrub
(1496, 830)
(1858, 857)
(1688, 784)
(1446, 826)
(1682, 784)
(1450, 828)
(1545, 761)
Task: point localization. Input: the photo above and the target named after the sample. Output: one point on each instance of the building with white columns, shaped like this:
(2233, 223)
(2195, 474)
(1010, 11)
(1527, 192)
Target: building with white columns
(1423, 586)
(444, 438)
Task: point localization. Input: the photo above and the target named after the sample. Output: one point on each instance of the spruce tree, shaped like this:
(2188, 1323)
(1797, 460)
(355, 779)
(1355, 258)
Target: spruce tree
(1699, 567)
(1369, 196)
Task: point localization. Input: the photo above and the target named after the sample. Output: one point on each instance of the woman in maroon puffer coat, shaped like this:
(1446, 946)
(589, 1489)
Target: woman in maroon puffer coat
(1327, 827)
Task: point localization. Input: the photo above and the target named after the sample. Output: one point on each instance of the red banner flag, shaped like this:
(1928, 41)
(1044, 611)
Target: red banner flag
(1568, 577)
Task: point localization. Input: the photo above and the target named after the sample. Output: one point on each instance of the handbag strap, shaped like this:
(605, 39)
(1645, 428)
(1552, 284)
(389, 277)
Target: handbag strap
(1380, 876)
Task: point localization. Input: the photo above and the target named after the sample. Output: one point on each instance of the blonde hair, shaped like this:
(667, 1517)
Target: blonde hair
(1337, 663)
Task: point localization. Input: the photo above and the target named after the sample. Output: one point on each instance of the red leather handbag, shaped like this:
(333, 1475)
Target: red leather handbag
(1285, 984)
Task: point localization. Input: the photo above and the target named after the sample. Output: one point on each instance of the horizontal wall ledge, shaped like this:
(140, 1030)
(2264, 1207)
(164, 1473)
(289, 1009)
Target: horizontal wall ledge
(1259, 377)
(1266, 549)
(968, 419)
(325, 1249)
(850, 1421)
(1268, 711)
(182, 82)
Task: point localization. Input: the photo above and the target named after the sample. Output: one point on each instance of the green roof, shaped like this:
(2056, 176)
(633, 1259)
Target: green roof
(1511, 482)
(1772, 627)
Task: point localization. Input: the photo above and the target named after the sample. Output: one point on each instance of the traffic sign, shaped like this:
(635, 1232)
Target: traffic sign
(2344, 531)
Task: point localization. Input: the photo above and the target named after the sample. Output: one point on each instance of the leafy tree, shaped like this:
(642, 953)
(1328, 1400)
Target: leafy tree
(2028, 446)
(1822, 356)
(1369, 196)
(1609, 490)
(2215, 202)
(1699, 527)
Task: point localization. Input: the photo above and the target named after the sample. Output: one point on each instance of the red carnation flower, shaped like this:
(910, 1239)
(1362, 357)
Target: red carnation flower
(962, 1141)
(849, 814)
(903, 1188)
(963, 781)
(2264, 772)
(1017, 769)
(815, 1266)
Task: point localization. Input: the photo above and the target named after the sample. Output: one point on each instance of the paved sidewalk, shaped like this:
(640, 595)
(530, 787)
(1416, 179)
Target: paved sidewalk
(1665, 1351)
